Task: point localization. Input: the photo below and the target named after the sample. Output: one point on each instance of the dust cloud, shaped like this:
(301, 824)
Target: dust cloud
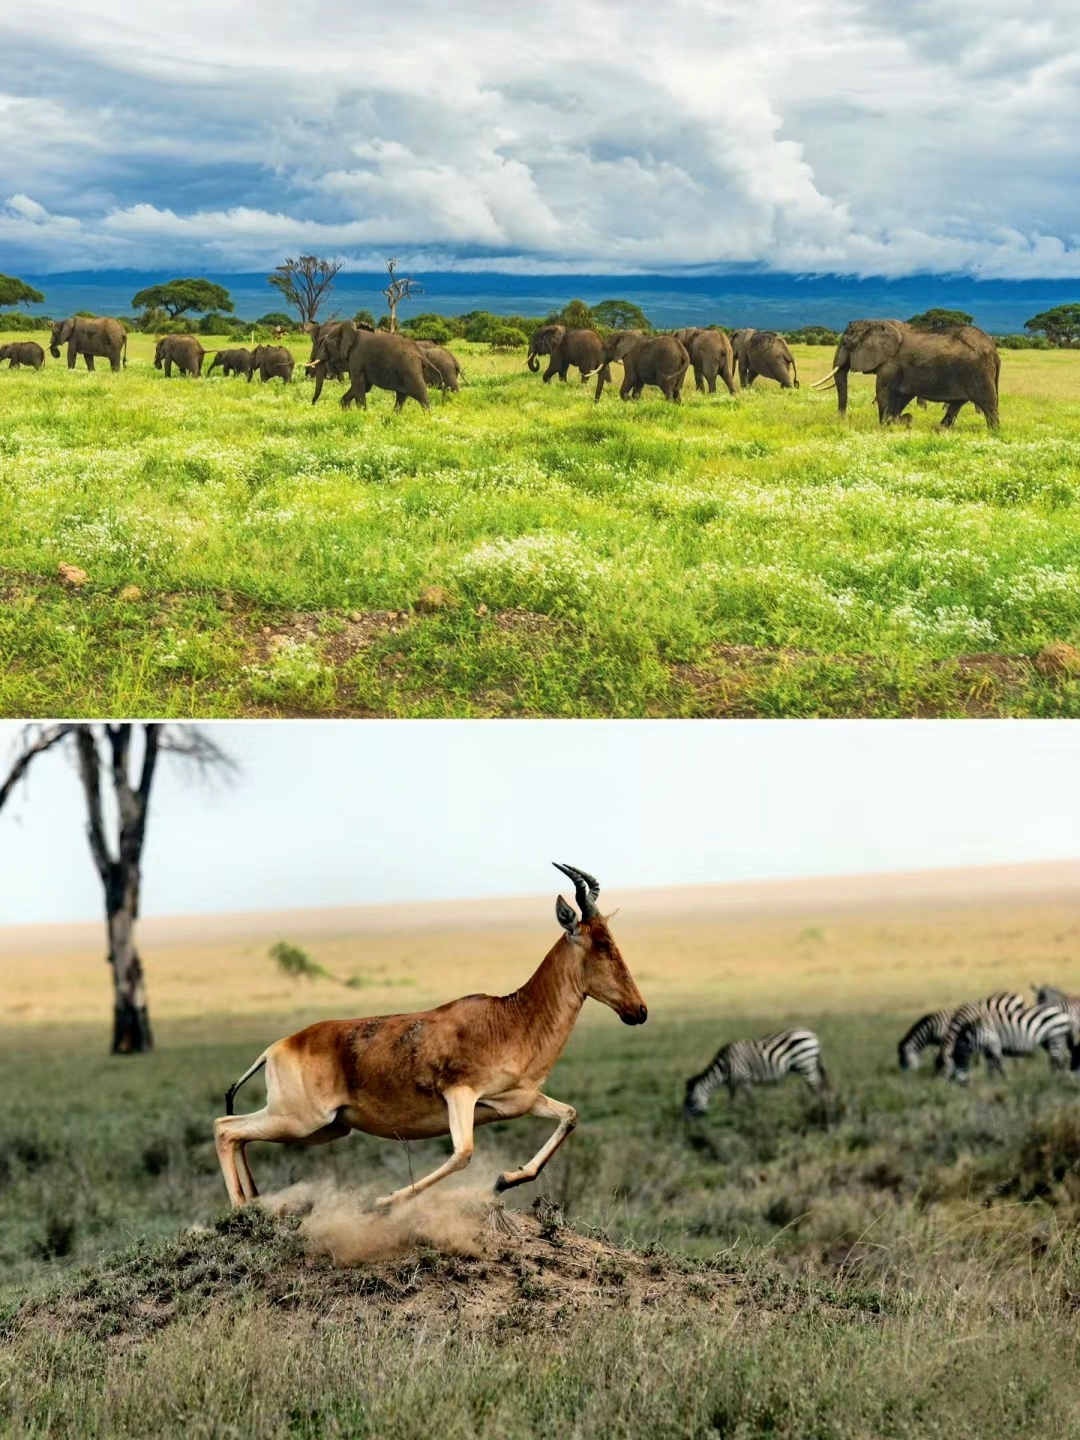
(340, 1223)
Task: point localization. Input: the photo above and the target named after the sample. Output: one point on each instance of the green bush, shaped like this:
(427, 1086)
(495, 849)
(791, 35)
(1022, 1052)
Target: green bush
(508, 337)
(20, 322)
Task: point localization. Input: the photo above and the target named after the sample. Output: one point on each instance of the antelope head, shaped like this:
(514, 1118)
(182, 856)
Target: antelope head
(604, 973)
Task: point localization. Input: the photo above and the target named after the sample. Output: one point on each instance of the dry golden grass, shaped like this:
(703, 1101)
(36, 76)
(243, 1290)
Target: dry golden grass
(861, 945)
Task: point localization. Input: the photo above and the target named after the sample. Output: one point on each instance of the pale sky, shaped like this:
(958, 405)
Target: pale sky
(848, 136)
(347, 813)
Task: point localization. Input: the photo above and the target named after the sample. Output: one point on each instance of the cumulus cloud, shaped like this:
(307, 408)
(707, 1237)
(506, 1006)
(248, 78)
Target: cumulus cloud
(851, 136)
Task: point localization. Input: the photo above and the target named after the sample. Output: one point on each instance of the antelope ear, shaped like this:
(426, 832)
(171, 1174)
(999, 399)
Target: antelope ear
(566, 916)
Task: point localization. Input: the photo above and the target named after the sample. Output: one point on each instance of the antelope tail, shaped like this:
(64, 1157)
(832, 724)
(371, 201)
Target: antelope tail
(231, 1092)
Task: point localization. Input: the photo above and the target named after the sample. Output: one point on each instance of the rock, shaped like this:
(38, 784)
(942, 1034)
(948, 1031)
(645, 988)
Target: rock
(481, 610)
(432, 598)
(73, 576)
(131, 592)
(1058, 658)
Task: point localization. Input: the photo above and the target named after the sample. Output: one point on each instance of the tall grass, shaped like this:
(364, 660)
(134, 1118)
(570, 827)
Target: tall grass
(902, 1262)
(593, 559)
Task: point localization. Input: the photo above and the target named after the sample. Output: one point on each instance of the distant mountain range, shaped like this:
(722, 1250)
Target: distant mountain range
(775, 301)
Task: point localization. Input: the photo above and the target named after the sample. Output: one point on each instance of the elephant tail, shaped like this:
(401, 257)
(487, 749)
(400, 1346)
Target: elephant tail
(123, 348)
(794, 374)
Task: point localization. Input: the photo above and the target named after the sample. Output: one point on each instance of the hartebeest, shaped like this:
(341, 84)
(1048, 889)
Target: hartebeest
(409, 1077)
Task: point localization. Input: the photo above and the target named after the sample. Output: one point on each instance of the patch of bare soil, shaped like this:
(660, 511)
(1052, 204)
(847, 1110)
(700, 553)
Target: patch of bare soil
(467, 1257)
(339, 640)
(524, 622)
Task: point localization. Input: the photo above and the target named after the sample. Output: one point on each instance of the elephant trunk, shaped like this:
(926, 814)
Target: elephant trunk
(842, 364)
(533, 362)
(319, 371)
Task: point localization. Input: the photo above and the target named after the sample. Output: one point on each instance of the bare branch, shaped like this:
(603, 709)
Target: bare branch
(192, 743)
(90, 773)
(37, 741)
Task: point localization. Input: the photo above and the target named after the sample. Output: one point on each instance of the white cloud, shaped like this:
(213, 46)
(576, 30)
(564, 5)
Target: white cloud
(852, 135)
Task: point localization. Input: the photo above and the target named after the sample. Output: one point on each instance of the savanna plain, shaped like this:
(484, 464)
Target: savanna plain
(898, 1259)
(522, 550)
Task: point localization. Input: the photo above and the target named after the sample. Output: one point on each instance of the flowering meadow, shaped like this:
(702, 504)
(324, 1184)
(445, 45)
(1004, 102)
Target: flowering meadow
(231, 549)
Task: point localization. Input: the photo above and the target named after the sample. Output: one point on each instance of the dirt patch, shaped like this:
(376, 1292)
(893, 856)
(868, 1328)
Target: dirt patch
(487, 1266)
(524, 622)
(338, 639)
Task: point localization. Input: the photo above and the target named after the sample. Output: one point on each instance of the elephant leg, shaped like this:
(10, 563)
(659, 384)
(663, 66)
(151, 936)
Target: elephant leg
(399, 402)
(89, 361)
(712, 383)
(699, 379)
(551, 371)
(951, 411)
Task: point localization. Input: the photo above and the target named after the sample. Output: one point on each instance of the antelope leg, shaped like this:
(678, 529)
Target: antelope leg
(546, 1109)
(461, 1103)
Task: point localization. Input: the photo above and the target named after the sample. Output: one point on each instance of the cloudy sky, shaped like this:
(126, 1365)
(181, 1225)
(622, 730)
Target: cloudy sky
(340, 813)
(850, 136)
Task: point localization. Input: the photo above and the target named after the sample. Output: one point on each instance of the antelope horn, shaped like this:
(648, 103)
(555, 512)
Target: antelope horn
(818, 383)
(586, 889)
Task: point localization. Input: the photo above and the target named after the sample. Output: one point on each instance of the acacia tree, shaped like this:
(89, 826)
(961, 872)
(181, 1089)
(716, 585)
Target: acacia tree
(939, 319)
(1061, 326)
(401, 287)
(16, 292)
(177, 297)
(305, 283)
(118, 858)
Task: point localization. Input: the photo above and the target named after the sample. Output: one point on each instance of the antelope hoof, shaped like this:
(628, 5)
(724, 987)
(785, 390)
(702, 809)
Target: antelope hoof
(381, 1205)
(507, 1182)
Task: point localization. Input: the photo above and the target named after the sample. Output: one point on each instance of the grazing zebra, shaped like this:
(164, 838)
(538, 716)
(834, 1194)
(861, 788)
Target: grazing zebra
(742, 1063)
(996, 1009)
(1051, 995)
(1016, 1034)
(930, 1030)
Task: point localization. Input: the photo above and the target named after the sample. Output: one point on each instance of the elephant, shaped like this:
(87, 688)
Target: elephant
(232, 362)
(324, 369)
(951, 366)
(582, 348)
(273, 362)
(183, 351)
(764, 352)
(443, 367)
(659, 360)
(89, 337)
(711, 355)
(23, 352)
(375, 359)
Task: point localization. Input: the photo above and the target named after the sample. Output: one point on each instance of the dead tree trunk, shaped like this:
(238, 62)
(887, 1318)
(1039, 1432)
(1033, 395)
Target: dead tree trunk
(121, 873)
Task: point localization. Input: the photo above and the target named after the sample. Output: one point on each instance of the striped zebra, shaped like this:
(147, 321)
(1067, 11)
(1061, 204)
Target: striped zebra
(996, 1009)
(1051, 995)
(929, 1030)
(1019, 1033)
(742, 1063)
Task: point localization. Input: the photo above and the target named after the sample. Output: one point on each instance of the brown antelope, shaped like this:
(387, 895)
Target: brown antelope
(409, 1077)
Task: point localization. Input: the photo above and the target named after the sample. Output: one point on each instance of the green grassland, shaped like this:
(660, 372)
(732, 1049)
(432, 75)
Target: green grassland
(250, 554)
(901, 1261)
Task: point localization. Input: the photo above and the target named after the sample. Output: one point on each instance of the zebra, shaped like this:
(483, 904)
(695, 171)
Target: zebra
(1051, 995)
(996, 1009)
(929, 1030)
(742, 1063)
(1018, 1033)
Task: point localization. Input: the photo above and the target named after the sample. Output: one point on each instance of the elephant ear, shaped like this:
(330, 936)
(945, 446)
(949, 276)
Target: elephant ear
(65, 331)
(878, 343)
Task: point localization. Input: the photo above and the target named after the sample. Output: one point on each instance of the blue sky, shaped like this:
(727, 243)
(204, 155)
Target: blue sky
(849, 136)
(347, 813)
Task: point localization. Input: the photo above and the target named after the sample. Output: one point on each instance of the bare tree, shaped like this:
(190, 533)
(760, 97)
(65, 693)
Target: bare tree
(398, 290)
(119, 860)
(305, 283)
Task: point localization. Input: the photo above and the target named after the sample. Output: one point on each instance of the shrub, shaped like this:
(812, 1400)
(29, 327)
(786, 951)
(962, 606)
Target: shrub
(812, 335)
(507, 337)
(20, 322)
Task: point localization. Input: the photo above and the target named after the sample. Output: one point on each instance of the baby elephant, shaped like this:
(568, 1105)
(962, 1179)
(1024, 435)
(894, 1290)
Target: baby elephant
(272, 362)
(232, 362)
(183, 351)
(23, 352)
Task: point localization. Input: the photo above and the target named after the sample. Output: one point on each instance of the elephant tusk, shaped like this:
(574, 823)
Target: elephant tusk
(825, 380)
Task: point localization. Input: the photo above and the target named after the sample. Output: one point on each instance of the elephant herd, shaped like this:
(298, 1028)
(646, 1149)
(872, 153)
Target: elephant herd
(952, 367)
